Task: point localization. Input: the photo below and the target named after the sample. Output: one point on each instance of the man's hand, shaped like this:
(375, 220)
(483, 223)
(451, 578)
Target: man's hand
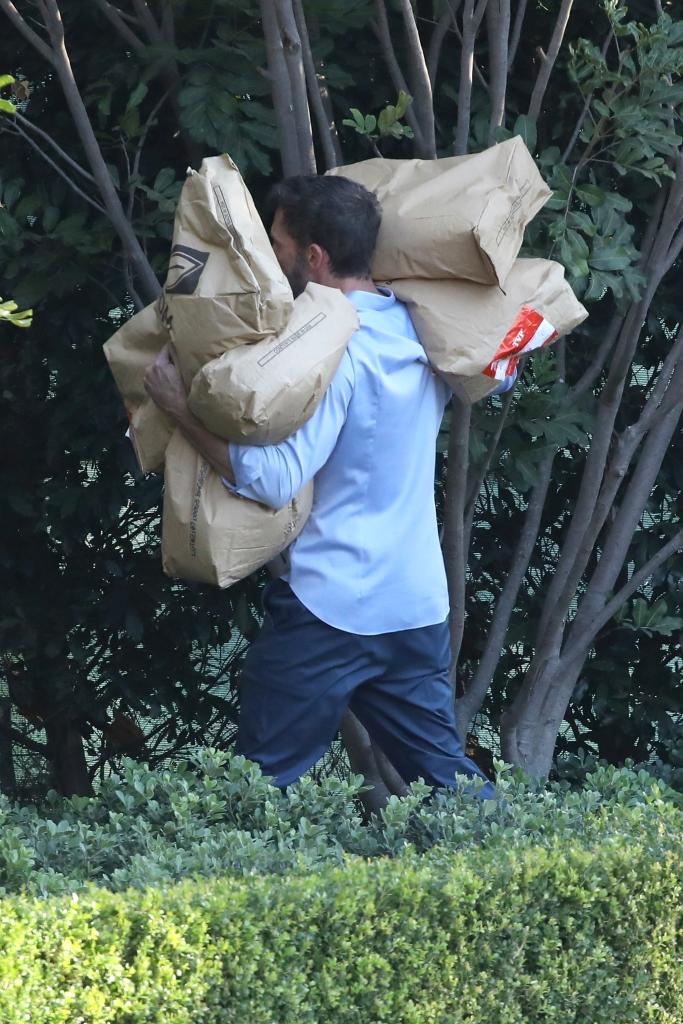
(165, 387)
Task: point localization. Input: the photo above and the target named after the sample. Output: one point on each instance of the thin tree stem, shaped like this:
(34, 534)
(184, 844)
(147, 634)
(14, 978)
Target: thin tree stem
(326, 129)
(548, 60)
(383, 33)
(455, 553)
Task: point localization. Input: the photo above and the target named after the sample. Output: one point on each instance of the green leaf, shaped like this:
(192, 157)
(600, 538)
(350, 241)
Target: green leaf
(164, 178)
(591, 194)
(402, 103)
(525, 127)
(50, 218)
(7, 107)
(130, 122)
(138, 94)
(549, 157)
(384, 122)
(6, 80)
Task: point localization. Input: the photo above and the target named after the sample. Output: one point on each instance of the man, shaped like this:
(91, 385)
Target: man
(360, 616)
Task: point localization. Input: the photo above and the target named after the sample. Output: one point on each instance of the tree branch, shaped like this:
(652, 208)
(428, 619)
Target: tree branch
(391, 778)
(147, 20)
(594, 368)
(548, 60)
(138, 150)
(591, 506)
(383, 33)
(31, 127)
(27, 32)
(439, 33)
(471, 20)
(666, 387)
(362, 759)
(516, 31)
(326, 130)
(585, 109)
(59, 58)
(498, 30)
(17, 130)
(422, 86)
(25, 741)
(281, 90)
(291, 46)
(475, 485)
(468, 705)
(637, 579)
(621, 532)
(455, 552)
(114, 16)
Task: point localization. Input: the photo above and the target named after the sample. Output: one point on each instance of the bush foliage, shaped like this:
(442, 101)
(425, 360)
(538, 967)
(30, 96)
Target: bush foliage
(221, 815)
(236, 902)
(524, 929)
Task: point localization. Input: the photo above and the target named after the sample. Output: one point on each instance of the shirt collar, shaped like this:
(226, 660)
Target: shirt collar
(371, 300)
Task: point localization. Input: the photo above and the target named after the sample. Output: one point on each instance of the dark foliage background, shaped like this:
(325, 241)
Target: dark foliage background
(100, 654)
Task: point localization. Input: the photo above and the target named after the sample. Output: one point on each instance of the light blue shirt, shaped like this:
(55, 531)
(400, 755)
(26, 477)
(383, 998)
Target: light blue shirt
(368, 560)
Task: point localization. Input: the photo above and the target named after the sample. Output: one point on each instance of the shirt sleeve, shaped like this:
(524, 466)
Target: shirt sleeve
(274, 474)
(505, 385)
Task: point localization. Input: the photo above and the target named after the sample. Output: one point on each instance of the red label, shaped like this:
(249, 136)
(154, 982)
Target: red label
(516, 340)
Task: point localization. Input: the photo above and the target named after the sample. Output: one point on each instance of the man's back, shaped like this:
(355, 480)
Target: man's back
(368, 560)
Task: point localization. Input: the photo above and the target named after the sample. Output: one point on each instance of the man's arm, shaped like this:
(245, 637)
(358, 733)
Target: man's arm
(273, 474)
(270, 474)
(165, 387)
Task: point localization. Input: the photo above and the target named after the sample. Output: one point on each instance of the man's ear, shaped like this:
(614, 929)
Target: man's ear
(318, 259)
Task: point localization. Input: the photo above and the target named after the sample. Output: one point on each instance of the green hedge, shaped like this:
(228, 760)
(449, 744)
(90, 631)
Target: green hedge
(204, 894)
(220, 816)
(525, 936)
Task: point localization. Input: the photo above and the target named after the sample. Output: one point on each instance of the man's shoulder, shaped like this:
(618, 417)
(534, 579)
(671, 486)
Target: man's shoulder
(392, 321)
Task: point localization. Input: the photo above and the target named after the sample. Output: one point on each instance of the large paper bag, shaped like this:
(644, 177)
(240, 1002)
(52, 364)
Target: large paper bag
(129, 352)
(474, 334)
(211, 535)
(224, 285)
(262, 393)
(461, 216)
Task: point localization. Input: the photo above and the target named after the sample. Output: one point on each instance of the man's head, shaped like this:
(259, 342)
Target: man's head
(324, 229)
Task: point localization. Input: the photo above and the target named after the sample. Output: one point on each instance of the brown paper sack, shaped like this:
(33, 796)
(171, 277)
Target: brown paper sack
(461, 216)
(129, 352)
(262, 393)
(224, 285)
(213, 536)
(474, 334)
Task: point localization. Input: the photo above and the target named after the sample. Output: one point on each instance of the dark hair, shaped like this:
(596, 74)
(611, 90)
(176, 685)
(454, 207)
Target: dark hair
(337, 214)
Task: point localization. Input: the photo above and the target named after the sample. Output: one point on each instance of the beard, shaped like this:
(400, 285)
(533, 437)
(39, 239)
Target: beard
(297, 275)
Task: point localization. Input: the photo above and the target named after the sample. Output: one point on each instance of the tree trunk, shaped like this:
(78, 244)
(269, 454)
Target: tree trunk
(8, 781)
(455, 553)
(67, 757)
(281, 89)
(291, 48)
(362, 759)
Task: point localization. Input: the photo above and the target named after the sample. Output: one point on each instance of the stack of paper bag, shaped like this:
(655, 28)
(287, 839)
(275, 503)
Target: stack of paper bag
(213, 536)
(474, 334)
(448, 244)
(462, 216)
(224, 285)
(129, 353)
(262, 393)
(255, 361)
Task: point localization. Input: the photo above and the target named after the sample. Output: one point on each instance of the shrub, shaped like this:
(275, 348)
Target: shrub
(220, 815)
(558, 934)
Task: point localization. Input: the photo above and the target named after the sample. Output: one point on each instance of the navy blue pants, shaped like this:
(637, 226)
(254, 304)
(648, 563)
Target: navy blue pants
(300, 675)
